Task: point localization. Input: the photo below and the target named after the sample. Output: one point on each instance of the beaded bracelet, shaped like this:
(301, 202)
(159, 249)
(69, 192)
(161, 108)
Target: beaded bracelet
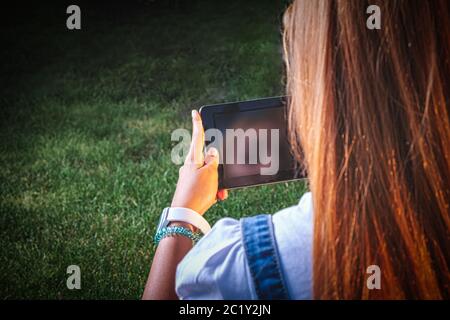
(173, 231)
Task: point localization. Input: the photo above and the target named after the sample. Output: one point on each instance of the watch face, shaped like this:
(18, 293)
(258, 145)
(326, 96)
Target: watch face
(163, 219)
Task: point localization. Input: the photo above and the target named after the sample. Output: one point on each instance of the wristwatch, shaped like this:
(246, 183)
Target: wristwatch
(172, 214)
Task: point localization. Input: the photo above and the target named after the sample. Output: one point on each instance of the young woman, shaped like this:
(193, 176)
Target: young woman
(369, 119)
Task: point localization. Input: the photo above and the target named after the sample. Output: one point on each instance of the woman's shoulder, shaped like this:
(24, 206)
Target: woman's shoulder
(293, 229)
(217, 268)
(294, 223)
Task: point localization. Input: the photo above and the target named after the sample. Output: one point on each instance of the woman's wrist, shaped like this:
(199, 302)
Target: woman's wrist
(183, 224)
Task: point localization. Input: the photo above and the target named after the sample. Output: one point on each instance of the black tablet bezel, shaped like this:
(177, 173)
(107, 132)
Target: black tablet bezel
(207, 113)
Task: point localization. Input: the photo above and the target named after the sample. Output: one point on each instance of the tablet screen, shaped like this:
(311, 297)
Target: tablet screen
(257, 121)
(252, 141)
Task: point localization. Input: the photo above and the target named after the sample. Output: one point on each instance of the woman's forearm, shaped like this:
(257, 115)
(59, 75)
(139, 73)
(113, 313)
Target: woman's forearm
(161, 280)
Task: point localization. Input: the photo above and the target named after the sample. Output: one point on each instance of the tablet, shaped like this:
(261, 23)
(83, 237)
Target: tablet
(251, 137)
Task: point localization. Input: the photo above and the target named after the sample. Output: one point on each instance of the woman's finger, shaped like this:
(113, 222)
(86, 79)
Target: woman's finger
(195, 154)
(222, 194)
(212, 157)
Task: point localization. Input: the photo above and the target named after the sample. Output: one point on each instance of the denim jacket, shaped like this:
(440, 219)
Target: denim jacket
(261, 257)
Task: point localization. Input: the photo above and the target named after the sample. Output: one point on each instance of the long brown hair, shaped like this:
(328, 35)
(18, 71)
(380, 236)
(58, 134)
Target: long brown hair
(369, 118)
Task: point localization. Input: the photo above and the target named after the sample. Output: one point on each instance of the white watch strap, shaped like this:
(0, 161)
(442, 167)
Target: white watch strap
(189, 216)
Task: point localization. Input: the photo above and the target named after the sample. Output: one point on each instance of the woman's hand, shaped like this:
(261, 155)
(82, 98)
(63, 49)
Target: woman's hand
(196, 190)
(197, 186)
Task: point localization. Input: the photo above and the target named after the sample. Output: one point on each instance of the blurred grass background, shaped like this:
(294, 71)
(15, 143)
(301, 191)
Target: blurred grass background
(86, 118)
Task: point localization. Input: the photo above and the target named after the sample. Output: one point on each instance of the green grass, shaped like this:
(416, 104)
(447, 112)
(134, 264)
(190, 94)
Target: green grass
(86, 119)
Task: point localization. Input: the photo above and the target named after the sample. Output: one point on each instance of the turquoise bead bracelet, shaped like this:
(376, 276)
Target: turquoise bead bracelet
(173, 231)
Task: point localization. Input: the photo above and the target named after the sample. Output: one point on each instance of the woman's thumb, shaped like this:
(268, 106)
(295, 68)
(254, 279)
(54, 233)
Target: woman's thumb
(212, 157)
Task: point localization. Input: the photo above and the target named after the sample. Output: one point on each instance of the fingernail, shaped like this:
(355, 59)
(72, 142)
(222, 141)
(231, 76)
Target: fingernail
(213, 152)
(194, 114)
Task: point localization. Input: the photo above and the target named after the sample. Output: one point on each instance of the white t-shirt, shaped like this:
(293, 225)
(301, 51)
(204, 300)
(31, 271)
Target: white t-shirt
(216, 267)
